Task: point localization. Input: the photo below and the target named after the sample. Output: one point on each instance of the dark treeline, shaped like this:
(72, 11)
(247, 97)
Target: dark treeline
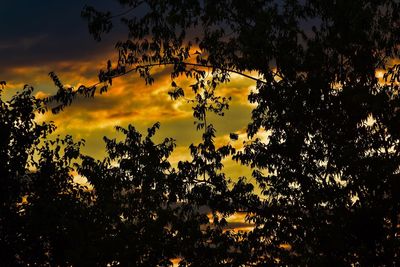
(328, 172)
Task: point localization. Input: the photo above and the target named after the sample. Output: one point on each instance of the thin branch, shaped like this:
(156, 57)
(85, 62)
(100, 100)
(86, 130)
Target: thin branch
(187, 64)
(127, 11)
(173, 63)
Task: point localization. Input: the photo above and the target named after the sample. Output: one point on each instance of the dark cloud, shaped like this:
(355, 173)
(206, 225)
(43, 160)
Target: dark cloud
(43, 32)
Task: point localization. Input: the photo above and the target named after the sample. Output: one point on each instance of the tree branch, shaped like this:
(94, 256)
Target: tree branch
(187, 64)
(127, 11)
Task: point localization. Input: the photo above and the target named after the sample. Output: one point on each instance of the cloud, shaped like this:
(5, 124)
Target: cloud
(130, 101)
(23, 43)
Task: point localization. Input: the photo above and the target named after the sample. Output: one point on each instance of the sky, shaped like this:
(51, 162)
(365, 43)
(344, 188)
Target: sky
(43, 36)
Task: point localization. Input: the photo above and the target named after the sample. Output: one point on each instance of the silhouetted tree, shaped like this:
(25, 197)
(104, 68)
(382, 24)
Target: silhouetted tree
(329, 169)
(136, 210)
(41, 207)
(209, 188)
(149, 213)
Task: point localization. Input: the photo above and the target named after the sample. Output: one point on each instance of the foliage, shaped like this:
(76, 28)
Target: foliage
(329, 169)
(136, 209)
(152, 212)
(41, 207)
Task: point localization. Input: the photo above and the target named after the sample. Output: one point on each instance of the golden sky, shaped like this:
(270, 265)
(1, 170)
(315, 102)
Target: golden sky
(130, 101)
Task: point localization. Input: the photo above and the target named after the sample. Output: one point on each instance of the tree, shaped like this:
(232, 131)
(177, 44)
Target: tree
(136, 210)
(329, 169)
(149, 213)
(41, 207)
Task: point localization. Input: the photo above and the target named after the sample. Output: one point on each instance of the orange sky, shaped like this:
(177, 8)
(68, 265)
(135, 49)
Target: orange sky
(130, 101)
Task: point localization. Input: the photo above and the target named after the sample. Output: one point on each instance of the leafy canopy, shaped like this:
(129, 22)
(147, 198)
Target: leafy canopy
(329, 169)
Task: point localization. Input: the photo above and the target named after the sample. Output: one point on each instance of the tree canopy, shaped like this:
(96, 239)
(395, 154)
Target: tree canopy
(328, 169)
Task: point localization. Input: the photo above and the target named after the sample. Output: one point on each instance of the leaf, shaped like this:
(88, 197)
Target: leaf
(176, 93)
(233, 136)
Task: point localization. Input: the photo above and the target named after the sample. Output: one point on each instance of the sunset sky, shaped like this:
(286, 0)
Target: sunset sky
(43, 36)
